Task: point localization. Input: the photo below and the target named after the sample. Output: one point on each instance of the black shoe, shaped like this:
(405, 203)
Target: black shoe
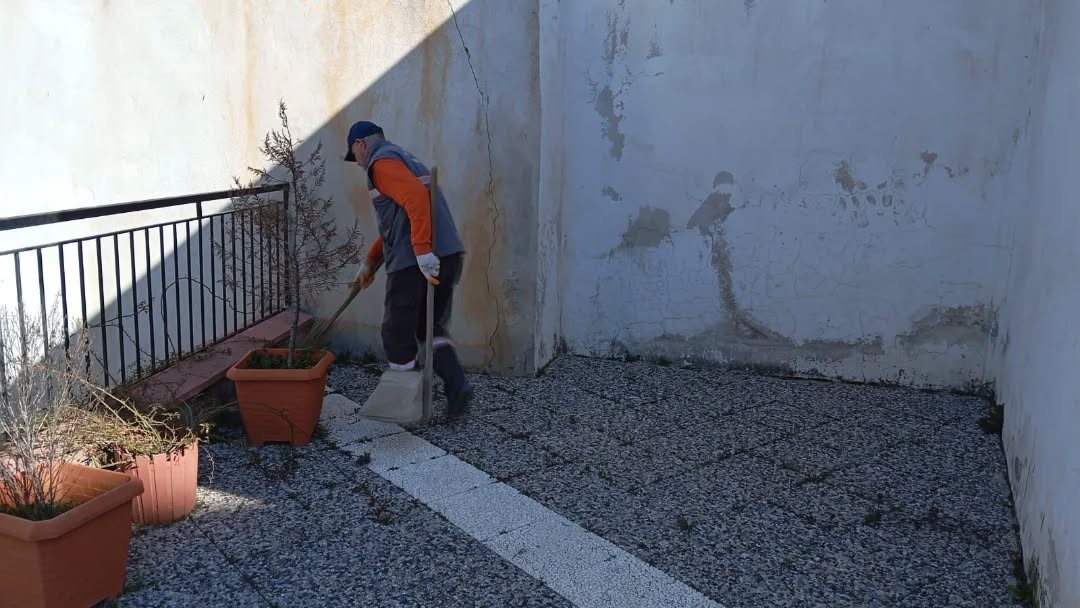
(459, 403)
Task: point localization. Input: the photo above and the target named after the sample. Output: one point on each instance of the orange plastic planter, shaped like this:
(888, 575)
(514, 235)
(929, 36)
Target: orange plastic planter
(78, 558)
(280, 404)
(170, 482)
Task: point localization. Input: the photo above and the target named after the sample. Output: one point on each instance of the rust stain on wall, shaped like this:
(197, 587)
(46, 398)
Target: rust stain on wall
(435, 55)
(335, 43)
(250, 82)
(843, 176)
(480, 294)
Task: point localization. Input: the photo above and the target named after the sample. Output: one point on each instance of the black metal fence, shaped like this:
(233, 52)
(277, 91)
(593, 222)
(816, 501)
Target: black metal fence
(215, 275)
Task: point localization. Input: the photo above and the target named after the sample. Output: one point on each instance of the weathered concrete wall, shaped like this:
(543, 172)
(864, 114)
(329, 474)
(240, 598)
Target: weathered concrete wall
(551, 182)
(122, 100)
(1039, 341)
(818, 185)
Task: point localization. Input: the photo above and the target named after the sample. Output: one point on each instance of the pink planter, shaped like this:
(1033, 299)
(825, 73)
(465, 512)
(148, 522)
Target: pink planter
(170, 482)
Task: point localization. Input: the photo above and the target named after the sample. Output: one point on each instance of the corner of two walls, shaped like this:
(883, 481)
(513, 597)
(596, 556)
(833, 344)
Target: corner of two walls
(461, 95)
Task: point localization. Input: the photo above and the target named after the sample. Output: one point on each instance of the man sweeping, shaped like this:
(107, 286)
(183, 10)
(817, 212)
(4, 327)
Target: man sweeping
(398, 185)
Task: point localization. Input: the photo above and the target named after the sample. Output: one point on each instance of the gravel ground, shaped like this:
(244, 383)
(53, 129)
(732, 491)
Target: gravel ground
(756, 491)
(277, 526)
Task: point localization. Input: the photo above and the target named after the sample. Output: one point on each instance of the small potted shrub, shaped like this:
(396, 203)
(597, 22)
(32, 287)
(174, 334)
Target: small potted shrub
(280, 390)
(65, 528)
(157, 444)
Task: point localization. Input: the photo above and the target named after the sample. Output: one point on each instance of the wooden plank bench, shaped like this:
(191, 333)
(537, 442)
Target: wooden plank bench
(195, 374)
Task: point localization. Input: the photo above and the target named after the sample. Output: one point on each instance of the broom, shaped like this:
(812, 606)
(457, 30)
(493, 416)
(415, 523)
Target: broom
(323, 326)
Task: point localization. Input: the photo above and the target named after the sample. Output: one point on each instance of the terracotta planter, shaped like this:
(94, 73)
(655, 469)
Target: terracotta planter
(170, 482)
(280, 404)
(78, 558)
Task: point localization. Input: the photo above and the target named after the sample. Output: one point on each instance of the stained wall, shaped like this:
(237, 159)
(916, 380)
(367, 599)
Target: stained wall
(818, 186)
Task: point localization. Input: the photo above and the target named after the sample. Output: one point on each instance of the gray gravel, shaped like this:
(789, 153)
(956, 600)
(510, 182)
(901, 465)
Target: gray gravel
(757, 491)
(277, 526)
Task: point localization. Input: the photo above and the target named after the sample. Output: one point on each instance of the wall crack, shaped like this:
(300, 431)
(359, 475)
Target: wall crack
(490, 187)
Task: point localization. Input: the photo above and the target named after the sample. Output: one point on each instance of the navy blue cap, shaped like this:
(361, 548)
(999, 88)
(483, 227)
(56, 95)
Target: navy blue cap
(359, 130)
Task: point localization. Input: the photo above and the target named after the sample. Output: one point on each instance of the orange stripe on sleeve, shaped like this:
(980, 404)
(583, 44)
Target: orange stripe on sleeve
(394, 179)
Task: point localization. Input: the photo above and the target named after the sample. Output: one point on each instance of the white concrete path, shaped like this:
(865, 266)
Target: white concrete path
(580, 566)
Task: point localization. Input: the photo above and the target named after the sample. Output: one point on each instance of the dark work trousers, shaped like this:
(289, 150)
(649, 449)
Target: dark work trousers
(404, 324)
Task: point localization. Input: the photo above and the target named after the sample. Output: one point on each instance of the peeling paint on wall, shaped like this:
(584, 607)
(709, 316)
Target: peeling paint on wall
(709, 219)
(611, 193)
(607, 100)
(954, 173)
(715, 209)
(952, 326)
(650, 228)
(846, 181)
(610, 108)
(928, 158)
(654, 49)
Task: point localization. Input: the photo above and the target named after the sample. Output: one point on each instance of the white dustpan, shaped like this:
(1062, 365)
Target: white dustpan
(399, 398)
(404, 397)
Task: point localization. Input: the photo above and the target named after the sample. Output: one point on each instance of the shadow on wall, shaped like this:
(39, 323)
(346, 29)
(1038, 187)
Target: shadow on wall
(466, 99)
(463, 98)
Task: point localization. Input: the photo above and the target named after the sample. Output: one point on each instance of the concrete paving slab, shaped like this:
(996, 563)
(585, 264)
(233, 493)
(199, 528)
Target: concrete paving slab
(438, 478)
(490, 510)
(395, 451)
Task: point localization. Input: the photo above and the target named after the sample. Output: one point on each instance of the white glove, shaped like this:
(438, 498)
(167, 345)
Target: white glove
(364, 276)
(429, 265)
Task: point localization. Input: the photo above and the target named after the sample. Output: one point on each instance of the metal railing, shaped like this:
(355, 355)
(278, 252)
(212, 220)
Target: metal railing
(151, 313)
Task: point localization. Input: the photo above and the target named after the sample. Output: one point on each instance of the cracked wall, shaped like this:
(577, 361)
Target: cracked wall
(454, 81)
(821, 188)
(1039, 337)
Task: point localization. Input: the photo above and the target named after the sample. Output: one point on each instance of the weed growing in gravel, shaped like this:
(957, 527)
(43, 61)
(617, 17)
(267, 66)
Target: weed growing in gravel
(323, 434)
(684, 524)
(364, 459)
(1023, 590)
(872, 517)
(275, 471)
(382, 514)
(820, 477)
